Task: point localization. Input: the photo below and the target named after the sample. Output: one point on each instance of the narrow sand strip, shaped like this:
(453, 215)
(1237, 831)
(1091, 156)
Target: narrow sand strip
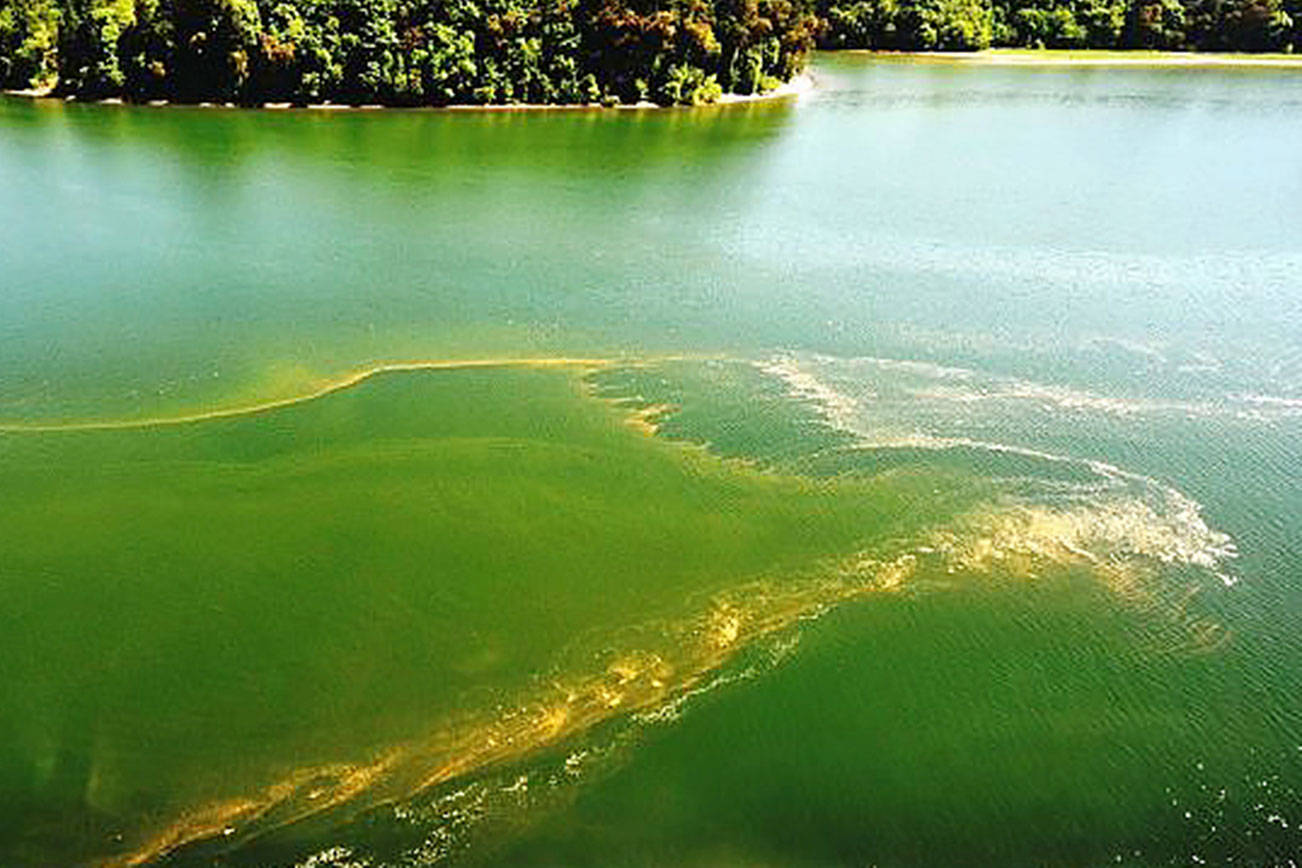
(1099, 58)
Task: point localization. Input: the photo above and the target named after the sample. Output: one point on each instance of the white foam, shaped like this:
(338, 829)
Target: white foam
(334, 857)
(943, 384)
(1270, 401)
(1136, 513)
(839, 410)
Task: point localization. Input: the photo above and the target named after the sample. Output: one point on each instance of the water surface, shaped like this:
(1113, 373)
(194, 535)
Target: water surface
(907, 474)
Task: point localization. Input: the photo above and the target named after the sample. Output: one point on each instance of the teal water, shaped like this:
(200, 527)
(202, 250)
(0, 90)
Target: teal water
(906, 474)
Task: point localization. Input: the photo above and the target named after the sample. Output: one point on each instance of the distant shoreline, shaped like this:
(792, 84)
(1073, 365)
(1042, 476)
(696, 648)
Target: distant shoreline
(801, 84)
(1089, 57)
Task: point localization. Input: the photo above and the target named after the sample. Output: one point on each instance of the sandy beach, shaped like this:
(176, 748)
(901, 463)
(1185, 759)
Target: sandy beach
(1086, 57)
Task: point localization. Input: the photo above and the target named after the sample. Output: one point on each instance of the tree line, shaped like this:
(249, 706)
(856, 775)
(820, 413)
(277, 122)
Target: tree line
(437, 52)
(405, 52)
(963, 25)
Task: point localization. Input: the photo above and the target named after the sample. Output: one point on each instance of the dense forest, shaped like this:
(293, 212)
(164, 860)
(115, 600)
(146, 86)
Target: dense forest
(436, 52)
(405, 52)
(962, 25)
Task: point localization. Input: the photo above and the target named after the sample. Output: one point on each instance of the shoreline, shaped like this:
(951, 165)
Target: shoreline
(1089, 57)
(798, 86)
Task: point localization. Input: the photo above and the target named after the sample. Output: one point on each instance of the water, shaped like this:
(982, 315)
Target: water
(903, 475)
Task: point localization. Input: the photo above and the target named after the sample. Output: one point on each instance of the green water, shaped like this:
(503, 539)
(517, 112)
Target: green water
(907, 474)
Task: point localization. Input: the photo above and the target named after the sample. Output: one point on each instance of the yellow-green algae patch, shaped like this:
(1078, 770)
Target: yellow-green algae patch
(315, 388)
(215, 628)
(197, 616)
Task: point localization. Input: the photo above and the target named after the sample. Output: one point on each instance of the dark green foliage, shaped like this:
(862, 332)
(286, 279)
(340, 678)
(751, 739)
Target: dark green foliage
(405, 52)
(29, 35)
(436, 52)
(956, 25)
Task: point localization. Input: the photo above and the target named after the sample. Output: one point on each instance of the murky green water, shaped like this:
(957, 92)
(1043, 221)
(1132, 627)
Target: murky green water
(906, 475)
